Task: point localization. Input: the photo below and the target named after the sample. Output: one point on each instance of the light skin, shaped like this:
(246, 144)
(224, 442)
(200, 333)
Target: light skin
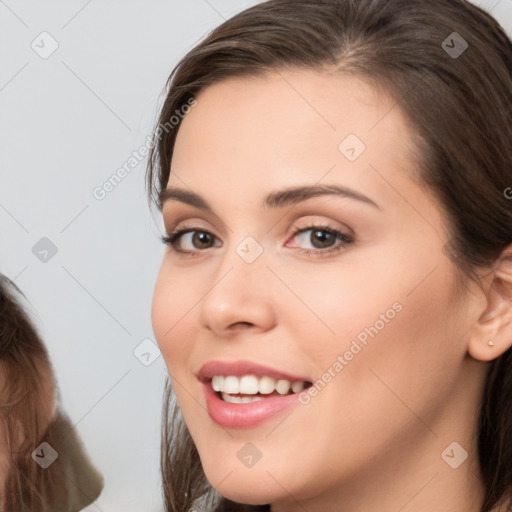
(376, 432)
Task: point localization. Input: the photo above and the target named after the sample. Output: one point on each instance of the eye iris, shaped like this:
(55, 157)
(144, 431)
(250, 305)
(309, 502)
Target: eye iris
(321, 238)
(202, 240)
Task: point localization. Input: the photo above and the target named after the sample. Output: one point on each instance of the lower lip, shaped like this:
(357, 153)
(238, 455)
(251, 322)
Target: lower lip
(245, 415)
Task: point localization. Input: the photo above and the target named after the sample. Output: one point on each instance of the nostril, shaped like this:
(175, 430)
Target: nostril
(241, 324)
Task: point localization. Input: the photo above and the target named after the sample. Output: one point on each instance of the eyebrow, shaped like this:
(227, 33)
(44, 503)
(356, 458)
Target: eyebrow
(278, 199)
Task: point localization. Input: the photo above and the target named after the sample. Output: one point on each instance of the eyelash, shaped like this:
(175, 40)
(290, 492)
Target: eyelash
(173, 238)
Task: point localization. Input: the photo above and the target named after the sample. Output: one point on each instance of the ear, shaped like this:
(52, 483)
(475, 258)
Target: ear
(495, 320)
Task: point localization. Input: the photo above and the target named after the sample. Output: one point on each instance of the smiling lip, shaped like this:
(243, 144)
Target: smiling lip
(249, 415)
(240, 368)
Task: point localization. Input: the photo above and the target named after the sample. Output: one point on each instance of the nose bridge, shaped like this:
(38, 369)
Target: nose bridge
(241, 270)
(242, 259)
(239, 292)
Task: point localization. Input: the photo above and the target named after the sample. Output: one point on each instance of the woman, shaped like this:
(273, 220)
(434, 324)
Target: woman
(335, 302)
(43, 464)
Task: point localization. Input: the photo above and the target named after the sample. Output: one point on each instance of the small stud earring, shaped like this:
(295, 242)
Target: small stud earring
(491, 343)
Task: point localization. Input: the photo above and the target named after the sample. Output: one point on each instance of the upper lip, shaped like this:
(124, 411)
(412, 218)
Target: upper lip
(243, 367)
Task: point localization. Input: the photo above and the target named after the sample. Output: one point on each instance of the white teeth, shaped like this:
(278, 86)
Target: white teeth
(267, 385)
(240, 399)
(283, 386)
(249, 385)
(217, 382)
(231, 385)
(297, 386)
(252, 385)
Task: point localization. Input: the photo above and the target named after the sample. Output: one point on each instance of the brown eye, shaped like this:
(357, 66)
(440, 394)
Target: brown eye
(202, 239)
(191, 240)
(318, 238)
(321, 238)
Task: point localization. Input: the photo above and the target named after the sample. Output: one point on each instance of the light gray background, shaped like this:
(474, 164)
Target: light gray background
(67, 124)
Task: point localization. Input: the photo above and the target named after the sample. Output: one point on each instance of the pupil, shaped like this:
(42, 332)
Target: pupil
(321, 239)
(201, 239)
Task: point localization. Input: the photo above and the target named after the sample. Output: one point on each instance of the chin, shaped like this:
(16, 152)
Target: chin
(246, 495)
(247, 486)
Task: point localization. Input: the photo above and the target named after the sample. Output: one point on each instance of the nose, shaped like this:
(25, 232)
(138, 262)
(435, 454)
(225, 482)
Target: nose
(239, 298)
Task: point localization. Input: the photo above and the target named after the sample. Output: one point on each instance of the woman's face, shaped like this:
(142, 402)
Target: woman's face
(281, 274)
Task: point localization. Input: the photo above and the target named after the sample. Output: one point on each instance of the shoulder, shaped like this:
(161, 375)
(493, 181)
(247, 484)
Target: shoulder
(71, 463)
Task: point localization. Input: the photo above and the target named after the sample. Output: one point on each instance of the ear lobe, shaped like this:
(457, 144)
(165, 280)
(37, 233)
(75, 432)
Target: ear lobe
(494, 323)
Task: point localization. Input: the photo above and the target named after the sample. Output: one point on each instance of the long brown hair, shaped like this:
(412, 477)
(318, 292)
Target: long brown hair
(460, 105)
(23, 402)
(29, 415)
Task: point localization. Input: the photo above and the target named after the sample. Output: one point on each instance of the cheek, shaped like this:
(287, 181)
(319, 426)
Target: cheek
(379, 334)
(398, 345)
(173, 302)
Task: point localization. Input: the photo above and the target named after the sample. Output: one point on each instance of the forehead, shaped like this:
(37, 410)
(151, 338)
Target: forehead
(293, 127)
(291, 112)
